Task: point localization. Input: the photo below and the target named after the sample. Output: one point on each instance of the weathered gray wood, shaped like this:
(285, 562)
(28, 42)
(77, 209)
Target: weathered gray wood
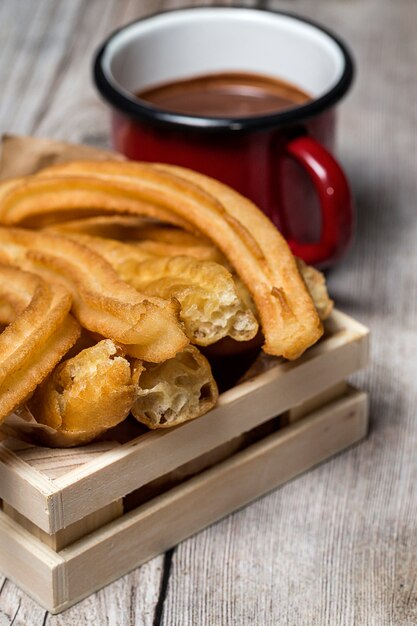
(336, 547)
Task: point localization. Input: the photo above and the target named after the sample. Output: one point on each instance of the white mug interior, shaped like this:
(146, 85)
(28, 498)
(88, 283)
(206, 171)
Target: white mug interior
(190, 42)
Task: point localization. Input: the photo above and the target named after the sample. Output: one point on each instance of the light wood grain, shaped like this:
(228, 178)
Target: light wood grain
(336, 547)
(66, 536)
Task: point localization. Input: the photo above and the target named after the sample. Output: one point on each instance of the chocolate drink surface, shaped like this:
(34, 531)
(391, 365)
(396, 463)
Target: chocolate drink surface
(227, 94)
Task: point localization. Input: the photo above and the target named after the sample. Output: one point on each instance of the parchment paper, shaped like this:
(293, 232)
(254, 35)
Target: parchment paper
(21, 156)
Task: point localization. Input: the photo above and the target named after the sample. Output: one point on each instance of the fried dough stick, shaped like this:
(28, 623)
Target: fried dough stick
(159, 240)
(252, 245)
(316, 285)
(103, 303)
(175, 391)
(149, 237)
(84, 396)
(210, 305)
(41, 332)
(119, 227)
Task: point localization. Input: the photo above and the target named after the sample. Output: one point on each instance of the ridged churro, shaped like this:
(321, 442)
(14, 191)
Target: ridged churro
(150, 238)
(36, 339)
(252, 245)
(147, 327)
(210, 306)
(146, 257)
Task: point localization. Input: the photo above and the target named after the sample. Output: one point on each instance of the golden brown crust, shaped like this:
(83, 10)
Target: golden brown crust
(84, 197)
(297, 325)
(171, 382)
(119, 227)
(151, 240)
(86, 395)
(251, 244)
(210, 305)
(35, 341)
(174, 392)
(102, 302)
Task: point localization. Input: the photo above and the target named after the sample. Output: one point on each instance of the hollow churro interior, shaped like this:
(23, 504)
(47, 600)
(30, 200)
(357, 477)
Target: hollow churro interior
(173, 392)
(210, 303)
(86, 394)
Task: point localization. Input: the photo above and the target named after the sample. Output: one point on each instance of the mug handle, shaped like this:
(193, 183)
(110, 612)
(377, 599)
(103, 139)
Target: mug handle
(334, 194)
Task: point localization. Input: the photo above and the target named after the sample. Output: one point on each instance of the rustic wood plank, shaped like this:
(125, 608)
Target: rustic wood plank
(18, 609)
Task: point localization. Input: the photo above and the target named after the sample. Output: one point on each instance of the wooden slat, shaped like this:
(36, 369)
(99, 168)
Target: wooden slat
(66, 536)
(26, 489)
(52, 463)
(298, 411)
(27, 560)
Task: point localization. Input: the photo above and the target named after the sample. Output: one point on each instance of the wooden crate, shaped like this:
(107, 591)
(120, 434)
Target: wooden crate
(74, 520)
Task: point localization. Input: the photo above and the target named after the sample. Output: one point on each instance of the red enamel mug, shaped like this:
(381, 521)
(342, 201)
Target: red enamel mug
(282, 161)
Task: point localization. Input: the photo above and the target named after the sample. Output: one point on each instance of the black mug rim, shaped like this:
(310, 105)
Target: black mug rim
(141, 112)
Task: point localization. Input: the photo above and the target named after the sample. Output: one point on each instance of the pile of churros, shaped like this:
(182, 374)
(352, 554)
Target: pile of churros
(115, 277)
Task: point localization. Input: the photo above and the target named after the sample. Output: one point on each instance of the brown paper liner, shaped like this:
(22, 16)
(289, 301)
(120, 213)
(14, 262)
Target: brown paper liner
(21, 156)
(22, 425)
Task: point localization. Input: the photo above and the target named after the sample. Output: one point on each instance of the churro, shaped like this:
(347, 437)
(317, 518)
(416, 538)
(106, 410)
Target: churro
(316, 285)
(36, 339)
(152, 240)
(147, 327)
(210, 305)
(252, 245)
(85, 395)
(174, 392)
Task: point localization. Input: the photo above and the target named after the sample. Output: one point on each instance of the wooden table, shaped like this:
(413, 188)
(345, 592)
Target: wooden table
(337, 546)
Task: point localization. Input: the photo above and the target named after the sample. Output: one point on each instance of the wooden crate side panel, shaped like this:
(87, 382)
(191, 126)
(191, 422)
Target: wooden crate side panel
(154, 527)
(124, 469)
(25, 478)
(302, 409)
(26, 489)
(64, 537)
(37, 569)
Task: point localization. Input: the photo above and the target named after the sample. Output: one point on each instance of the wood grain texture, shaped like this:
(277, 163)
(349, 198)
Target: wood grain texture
(337, 546)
